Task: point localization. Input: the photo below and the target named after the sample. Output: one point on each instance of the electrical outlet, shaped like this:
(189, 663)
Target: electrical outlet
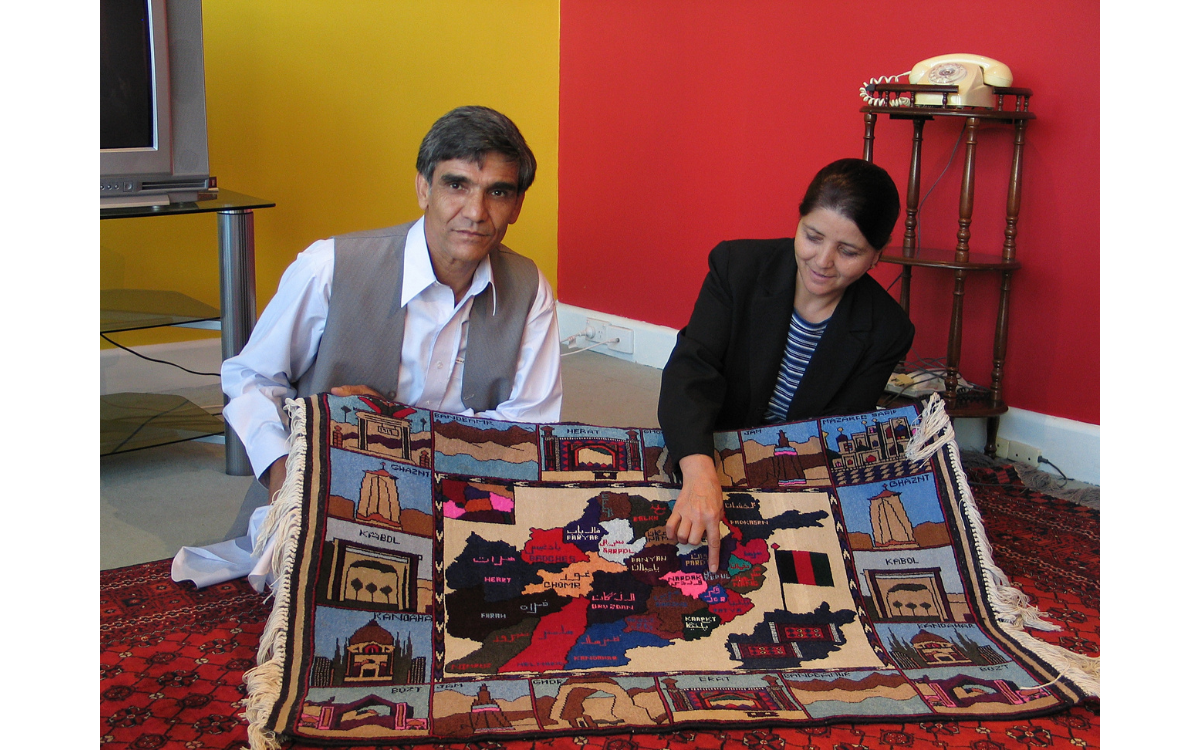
(599, 331)
(1024, 453)
(1006, 448)
(623, 336)
(594, 331)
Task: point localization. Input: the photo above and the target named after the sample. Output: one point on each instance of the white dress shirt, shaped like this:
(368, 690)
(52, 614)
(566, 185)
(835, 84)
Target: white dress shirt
(284, 343)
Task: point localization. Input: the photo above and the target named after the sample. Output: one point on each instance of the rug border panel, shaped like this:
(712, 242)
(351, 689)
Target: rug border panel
(548, 734)
(981, 603)
(291, 693)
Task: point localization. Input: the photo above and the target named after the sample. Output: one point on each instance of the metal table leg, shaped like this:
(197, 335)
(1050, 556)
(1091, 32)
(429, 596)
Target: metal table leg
(239, 309)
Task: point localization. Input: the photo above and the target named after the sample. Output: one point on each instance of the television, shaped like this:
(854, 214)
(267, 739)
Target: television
(153, 121)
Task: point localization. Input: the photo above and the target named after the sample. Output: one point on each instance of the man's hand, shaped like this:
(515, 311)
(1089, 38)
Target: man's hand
(275, 474)
(700, 507)
(356, 390)
(273, 477)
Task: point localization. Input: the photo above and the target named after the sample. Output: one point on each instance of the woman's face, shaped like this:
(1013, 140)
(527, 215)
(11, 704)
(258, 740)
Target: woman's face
(831, 253)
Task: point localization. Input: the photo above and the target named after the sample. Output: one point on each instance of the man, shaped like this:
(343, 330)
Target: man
(436, 313)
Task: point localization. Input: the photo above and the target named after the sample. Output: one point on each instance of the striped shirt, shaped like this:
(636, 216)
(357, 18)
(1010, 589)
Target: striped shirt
(802, 341)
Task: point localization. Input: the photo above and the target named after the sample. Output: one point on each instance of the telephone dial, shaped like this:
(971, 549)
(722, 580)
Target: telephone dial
(974, 75)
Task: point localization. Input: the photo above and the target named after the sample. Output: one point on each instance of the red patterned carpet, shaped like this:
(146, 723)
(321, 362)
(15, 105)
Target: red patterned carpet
(172, 657)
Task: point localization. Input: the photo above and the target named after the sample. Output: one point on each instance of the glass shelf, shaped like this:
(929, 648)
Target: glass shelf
(225, 200)
(135, 309)
(131, 421)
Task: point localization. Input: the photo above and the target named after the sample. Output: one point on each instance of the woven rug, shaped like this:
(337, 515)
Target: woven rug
(446, 577)
(172, 657)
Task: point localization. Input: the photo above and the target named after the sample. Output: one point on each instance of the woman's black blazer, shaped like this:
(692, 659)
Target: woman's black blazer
(723, 369)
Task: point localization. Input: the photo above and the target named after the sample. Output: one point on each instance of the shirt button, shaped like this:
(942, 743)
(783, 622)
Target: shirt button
(439, 365)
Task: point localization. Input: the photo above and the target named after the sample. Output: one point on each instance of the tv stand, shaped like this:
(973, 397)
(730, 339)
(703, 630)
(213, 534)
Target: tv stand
(235, 244)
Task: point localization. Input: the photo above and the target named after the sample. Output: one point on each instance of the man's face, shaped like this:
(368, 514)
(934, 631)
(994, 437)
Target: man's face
(468, 208)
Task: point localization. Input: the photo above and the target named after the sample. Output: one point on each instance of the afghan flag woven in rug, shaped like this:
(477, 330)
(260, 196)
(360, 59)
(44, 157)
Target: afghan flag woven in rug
(449, 578)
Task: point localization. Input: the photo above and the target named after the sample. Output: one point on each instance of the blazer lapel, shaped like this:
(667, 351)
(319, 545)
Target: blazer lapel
(771, 312)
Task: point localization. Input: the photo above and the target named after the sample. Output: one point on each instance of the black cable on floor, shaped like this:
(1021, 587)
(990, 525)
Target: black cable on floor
(160, 361)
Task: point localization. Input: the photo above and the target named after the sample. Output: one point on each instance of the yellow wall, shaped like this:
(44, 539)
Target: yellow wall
(320, 107)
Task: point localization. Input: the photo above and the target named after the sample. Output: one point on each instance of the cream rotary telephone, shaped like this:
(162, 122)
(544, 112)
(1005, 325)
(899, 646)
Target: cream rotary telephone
(975, 76)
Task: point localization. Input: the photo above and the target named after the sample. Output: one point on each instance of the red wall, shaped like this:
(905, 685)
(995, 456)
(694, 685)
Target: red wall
(686, 122)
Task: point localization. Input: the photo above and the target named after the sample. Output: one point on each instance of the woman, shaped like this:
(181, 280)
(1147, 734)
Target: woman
(783, 330)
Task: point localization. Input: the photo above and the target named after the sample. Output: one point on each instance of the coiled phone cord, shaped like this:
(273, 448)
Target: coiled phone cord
(903, 101)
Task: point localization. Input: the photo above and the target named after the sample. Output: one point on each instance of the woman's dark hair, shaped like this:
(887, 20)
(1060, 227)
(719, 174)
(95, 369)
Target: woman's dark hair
(860, 191)
(472, 133)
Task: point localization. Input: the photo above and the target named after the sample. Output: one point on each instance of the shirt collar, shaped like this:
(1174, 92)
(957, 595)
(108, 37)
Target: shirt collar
(418, 269)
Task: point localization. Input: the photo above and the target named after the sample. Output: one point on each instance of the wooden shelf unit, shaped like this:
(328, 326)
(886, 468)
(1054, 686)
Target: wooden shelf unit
(1013, 110)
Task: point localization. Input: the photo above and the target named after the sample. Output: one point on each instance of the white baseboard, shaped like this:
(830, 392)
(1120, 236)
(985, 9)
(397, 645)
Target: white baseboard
(652, 344)
(122, 372)
(1073, 446)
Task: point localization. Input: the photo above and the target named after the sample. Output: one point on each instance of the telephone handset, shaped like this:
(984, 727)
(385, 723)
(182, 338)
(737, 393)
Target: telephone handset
(975, 75)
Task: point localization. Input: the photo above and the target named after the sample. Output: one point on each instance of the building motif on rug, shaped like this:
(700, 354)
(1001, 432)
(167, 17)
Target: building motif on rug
(602, 456)
(379, 504)
(766, 701)
(373, 578)
(370, 709)
(927, 649)
(890, 526)
(390, 437)
(783, 463)
(963, 691)
(486, 713)
(915, 594)
(874, 454)
(371, 656)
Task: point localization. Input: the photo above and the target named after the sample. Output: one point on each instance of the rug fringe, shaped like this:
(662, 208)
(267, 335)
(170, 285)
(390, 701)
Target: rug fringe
(1011, 606)
(933, 431)
(1082, 670)
(265, 681)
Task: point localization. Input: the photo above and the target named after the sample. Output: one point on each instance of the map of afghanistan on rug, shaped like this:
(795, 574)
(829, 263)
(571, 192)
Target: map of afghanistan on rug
(454, 578)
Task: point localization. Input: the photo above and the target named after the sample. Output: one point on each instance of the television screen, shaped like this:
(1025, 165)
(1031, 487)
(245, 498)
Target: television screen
(153, 122)
(126, 76)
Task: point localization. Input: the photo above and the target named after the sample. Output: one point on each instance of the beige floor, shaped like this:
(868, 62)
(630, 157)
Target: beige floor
(154, 501)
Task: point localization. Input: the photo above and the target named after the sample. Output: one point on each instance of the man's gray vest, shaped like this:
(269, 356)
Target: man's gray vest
(365, 328)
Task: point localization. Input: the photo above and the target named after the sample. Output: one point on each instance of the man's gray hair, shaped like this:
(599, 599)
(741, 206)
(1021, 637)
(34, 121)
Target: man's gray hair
(472, 133)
